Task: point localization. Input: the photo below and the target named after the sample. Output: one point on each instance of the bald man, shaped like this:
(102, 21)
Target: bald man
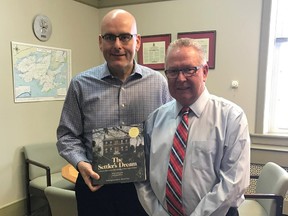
(118, 92)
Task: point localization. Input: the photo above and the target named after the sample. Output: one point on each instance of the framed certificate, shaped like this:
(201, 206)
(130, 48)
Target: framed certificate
(153, 50)
(207, 39)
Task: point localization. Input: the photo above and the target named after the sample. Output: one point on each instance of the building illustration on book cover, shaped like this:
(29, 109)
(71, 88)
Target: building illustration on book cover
(118, 154)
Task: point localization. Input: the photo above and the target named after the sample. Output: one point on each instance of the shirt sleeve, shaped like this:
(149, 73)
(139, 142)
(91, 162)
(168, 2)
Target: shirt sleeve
(149, 200)
(70, 130)
(145, 193)
(234, 172)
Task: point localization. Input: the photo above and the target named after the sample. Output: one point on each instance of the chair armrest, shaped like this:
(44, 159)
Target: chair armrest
(43, 166)
(279, 200)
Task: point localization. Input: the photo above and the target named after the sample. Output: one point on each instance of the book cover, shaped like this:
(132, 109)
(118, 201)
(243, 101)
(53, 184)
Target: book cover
(118, 154)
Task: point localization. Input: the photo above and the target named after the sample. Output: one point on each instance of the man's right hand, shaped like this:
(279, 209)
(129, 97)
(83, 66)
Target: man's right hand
(87, 173)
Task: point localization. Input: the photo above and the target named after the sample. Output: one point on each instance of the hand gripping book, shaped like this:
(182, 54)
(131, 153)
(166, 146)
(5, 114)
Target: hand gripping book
(118, 154)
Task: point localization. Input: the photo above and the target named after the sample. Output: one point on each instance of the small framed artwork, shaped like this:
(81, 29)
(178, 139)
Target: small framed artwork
(207, 39)
(153, 50)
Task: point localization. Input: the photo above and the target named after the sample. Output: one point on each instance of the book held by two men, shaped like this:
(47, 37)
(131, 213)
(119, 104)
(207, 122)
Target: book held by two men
(118, 154)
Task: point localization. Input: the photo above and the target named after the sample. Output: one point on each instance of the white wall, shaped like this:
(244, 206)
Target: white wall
(75, 26)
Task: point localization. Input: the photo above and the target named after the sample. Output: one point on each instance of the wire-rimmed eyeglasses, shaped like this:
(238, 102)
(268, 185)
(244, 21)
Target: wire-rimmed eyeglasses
(124, 38)
(187, 72)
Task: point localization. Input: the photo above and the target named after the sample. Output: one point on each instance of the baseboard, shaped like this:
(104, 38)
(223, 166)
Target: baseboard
(12, 209)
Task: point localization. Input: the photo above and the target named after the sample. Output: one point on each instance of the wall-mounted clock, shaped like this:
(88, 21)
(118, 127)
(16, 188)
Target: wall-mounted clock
(42, 27)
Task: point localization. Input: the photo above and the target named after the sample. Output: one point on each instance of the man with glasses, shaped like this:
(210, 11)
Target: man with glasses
(118, 92)
(199, 164)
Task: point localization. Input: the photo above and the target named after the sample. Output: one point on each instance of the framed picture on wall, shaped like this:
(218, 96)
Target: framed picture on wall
(152, 50)
(207, 39)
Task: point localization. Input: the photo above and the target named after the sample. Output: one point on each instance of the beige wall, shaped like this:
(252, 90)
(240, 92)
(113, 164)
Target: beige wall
(237, 40)
(75, 27)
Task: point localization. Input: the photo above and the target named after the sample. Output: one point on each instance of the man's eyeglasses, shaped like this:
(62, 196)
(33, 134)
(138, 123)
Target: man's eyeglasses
(124, 38)
(187, 72)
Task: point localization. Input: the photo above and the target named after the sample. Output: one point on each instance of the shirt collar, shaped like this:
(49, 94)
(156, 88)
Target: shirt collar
(200, 103)
(197, 107)
(136, 71)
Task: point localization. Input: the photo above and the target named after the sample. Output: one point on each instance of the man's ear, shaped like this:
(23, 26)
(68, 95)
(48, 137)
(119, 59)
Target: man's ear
(138, 42)
(100, 42)
(205, 72)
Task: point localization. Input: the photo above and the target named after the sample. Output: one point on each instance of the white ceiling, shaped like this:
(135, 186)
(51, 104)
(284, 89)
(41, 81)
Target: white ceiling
(113, 3)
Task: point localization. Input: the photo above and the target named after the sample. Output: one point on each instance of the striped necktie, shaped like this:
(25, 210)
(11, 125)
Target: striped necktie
(174, 176)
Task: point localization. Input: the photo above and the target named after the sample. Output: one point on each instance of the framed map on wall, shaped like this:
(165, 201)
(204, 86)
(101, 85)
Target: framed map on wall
(40, 73)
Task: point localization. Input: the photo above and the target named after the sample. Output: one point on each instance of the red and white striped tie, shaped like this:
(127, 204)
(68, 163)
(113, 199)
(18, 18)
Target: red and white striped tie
(175, 168)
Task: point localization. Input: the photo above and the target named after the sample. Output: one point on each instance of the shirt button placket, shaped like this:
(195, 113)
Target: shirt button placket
(122, 105)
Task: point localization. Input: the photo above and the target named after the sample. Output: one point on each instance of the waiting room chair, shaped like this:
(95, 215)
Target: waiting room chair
(62, 202)
(271, 188)
(43, 167)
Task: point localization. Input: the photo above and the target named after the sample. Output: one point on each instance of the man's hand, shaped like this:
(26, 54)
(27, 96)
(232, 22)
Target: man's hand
(87, 173)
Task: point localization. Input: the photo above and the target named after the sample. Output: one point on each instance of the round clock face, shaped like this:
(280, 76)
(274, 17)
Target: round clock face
(42, 27)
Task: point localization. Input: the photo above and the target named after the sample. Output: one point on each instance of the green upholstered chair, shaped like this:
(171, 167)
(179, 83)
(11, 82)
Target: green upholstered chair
(62, 202)
(271, 188)
(43, 167)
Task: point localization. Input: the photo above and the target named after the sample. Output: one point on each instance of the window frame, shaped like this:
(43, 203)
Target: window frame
(265, 64)
(262, 68)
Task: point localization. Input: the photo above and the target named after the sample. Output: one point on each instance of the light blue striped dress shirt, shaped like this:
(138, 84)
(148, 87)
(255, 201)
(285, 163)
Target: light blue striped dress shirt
(217, 162)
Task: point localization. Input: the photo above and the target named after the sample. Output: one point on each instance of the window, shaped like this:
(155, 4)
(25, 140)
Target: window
(272, 99)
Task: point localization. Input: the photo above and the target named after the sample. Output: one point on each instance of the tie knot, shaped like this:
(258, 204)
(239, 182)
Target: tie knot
(185, 110)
